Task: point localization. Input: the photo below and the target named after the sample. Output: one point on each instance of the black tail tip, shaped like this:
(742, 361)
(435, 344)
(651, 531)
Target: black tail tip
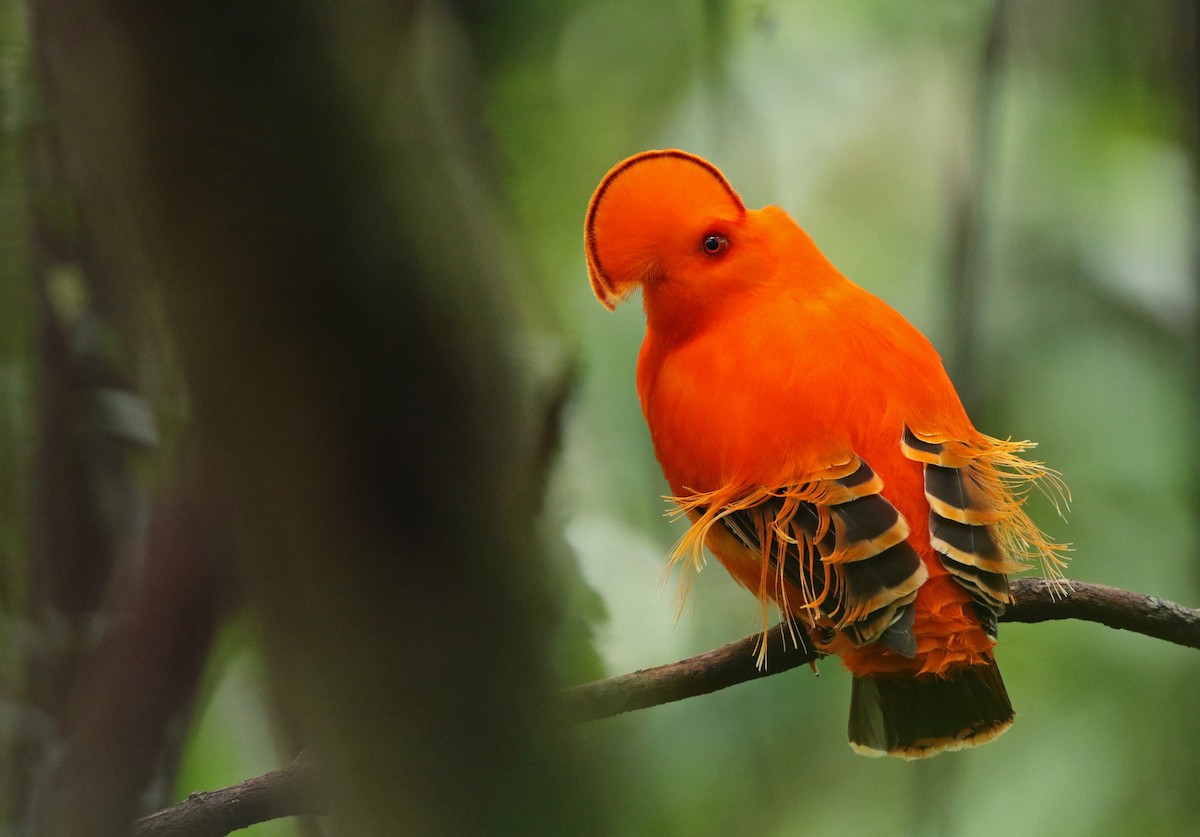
(917, 717)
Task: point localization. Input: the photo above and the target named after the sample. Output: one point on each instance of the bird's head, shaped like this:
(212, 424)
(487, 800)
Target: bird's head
(667, 222)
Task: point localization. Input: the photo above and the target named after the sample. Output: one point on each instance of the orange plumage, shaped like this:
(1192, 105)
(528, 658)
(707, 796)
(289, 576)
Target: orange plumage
(812, 436)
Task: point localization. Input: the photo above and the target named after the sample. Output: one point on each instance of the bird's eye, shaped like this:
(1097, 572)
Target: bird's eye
(714, 244)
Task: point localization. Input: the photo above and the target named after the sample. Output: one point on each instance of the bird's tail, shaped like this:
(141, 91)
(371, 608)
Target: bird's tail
(915, 717)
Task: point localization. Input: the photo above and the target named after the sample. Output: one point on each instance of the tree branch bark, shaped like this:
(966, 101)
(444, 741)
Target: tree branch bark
(288, 792)
(1111, 606)
(1036, 601)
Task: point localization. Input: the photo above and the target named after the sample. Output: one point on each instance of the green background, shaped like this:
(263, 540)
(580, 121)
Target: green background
(863, 121)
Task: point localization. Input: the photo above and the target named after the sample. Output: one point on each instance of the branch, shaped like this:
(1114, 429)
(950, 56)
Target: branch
(1111, 606)
(1036, 601)
(289, 791)
(708, 672)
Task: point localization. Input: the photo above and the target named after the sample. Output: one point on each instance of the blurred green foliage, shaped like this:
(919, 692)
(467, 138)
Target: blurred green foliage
(853, 117)
(232, 737)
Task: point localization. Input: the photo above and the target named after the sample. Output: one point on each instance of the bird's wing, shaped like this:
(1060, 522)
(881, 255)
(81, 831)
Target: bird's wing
(976, 523)
(844, 547)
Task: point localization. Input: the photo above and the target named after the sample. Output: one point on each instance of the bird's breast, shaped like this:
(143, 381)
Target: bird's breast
(744, 408)
(775, 392)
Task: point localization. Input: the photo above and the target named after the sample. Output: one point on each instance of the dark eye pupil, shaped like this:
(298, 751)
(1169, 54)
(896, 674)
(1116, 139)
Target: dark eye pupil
(713, 243)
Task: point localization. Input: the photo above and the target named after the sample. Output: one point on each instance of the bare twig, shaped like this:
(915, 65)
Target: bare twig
(708, 672)
(290, 791)
(1037, 601)
(287, 792)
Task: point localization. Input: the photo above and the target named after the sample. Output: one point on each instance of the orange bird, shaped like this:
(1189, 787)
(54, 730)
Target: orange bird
(820, 451)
